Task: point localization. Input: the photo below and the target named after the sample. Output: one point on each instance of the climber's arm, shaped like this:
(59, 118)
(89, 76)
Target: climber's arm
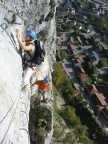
(21, 44)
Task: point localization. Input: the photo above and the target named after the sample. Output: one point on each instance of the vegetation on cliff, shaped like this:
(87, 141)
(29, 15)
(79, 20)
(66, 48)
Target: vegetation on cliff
(65, 115)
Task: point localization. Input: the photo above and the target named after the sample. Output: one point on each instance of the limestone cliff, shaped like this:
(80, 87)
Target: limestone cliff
(15, 103)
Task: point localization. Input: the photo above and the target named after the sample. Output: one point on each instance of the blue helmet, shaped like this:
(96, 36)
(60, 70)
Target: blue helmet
(46, 79)
(32, 34)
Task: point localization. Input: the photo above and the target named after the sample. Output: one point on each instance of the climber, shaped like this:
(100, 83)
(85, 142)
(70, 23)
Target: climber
(43, 87)
(33, 49)
(33, 53)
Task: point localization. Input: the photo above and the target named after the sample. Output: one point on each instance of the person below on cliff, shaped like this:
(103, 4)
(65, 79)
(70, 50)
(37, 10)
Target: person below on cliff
(34, 53)
(43, 88)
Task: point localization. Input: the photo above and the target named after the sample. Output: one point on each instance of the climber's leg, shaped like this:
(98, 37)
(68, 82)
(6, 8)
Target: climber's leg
(27, 75)
(45, 96)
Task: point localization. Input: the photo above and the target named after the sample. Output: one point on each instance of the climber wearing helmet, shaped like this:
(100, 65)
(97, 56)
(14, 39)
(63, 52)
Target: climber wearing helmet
(28, 46)
(43, 88)
(33, 53)
(30, 36)
(33, 48)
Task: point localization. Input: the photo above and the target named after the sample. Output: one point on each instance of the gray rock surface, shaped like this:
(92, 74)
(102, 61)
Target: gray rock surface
(14, 103)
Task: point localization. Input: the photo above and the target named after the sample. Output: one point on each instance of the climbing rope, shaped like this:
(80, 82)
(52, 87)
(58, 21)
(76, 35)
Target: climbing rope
(4, 27)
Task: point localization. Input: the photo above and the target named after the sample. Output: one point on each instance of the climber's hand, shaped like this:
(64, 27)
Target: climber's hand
(34, 66)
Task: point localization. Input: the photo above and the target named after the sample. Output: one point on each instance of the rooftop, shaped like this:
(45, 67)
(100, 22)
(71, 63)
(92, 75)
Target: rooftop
(101, 98)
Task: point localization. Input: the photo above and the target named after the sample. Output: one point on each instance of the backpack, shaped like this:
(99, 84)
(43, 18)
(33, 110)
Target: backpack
(38, 56)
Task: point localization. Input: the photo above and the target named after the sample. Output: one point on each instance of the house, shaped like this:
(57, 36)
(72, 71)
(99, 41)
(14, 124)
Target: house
(71, 45)
(67, 68)
(73, 11)
(85, 49)
(100, 100)
(92, 89)
(62, 38)
(99, 2)
(103, 88)
(88, 35)
(101, 11)
(80, 72)
(104, 45)
(94, 57)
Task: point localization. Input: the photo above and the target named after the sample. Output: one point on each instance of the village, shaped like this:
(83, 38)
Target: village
(82, 51)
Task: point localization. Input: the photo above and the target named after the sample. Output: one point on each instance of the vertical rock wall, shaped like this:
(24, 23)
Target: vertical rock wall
(14, 105)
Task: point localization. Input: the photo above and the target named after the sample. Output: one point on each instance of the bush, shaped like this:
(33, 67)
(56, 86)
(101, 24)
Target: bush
(66, 89)
(99, 22)
(70, 117)
(40, 123)
(73, 121)
(59, 76)
(94, 126)
(64, 54)
(103, 63)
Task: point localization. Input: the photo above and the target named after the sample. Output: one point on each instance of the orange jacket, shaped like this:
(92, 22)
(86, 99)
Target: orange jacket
(42, 85)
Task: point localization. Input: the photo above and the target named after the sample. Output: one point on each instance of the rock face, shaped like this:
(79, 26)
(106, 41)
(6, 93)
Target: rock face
(14, 103)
